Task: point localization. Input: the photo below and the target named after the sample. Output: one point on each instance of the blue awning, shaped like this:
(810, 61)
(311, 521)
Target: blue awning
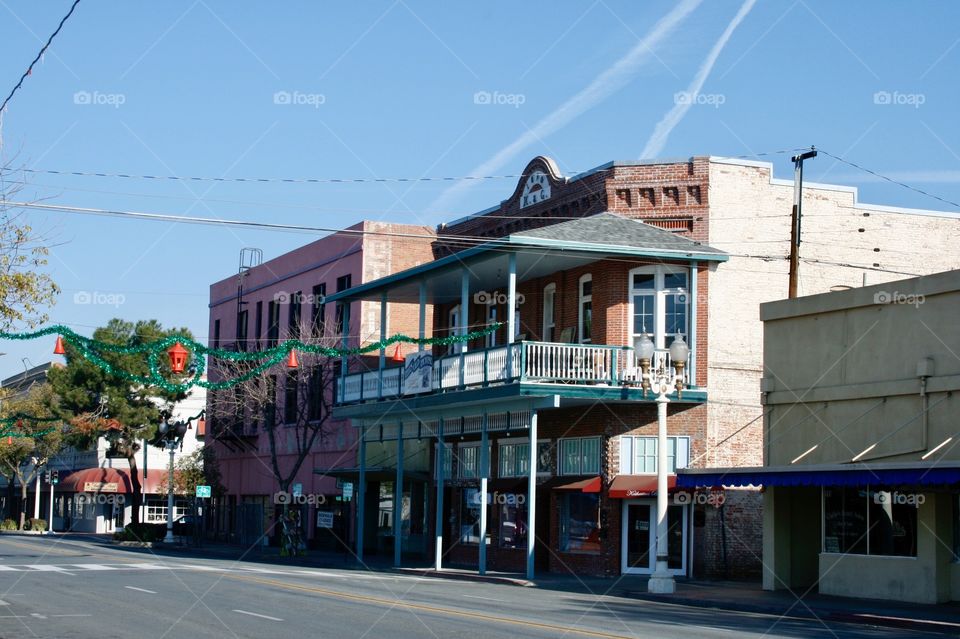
(832, 475)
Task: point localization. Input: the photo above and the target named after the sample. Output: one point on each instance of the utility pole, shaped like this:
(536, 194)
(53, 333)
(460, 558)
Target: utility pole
(795, 218)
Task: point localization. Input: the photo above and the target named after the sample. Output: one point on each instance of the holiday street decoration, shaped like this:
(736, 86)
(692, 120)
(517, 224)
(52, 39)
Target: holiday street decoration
(179, 348)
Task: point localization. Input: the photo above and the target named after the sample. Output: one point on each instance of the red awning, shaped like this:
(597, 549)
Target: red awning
(592, 485)
(629, 486)
(111, 480)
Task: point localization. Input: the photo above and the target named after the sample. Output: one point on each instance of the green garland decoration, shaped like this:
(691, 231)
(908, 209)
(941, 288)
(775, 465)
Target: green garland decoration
(10, 425)
(91, 349)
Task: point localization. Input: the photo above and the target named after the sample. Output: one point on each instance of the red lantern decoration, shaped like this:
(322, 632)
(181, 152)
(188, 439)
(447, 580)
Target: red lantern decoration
(58, 347)
(178, 357)
(397, 355)
(292, 361)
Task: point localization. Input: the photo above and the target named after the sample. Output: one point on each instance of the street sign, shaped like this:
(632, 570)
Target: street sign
(324, 519)
(203, 491)
(297, 489)
(348, 490)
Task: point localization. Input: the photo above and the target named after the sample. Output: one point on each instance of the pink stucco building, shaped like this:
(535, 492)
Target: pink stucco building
(282, 298)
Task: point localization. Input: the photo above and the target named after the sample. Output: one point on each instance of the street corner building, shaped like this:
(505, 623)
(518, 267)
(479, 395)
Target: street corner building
(862, 473)
(530, 444)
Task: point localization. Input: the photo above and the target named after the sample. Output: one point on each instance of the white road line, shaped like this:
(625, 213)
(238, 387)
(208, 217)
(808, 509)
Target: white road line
(9, 569)
(148, 566)
(486, 598)
(152, 592)
(48, 568)
(3, 603)
(254, 614)
(94, 566)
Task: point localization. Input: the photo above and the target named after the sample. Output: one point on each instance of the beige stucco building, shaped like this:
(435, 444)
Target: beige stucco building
(862, 467)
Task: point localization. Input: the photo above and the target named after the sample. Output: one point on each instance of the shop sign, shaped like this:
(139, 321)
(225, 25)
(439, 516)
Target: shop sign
(324, 519)
(418, 373)
(100, 487)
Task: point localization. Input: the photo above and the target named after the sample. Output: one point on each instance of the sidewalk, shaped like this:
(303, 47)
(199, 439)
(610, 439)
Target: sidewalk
(721, 595)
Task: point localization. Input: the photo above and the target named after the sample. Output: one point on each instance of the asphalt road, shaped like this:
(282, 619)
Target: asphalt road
(72, 588)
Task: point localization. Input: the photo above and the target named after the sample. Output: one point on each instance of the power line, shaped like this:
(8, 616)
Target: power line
(39, 55)
(889, 179)
(268, 180)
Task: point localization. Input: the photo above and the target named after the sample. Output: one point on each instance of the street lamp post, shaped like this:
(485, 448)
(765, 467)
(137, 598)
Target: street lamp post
(172, 433)
(661, 379)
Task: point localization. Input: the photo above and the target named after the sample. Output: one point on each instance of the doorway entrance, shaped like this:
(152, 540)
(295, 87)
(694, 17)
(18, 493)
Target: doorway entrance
(638, 553)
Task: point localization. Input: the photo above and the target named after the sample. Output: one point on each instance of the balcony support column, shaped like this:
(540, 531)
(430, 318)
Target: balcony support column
(511, 309)
(345, 343)
(464, 320)
(438, 531)
(383, 349)
(361, 492)
(532, 495)
(398, 501)
(423, 313)
(484, 474)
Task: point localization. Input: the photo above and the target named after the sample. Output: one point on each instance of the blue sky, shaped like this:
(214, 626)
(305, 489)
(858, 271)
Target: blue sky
(399, 89)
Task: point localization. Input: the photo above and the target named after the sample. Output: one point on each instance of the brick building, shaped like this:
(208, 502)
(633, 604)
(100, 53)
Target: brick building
(712, 246)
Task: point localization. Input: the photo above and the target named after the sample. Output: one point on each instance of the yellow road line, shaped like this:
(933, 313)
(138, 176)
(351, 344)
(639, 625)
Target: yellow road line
(393, 603)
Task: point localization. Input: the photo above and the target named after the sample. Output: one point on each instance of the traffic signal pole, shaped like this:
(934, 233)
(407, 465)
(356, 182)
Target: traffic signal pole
(50, 520)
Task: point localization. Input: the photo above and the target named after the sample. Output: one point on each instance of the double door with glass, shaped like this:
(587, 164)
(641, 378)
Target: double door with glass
(639, 538)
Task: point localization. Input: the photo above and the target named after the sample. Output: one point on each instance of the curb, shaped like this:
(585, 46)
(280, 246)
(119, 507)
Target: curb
(459, 576)
(802, 612)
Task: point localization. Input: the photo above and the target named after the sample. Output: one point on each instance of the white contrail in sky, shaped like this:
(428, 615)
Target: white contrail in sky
(673, 117)
(607, 83)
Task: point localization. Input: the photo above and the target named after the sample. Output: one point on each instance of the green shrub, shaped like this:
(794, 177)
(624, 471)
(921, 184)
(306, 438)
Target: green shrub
(137, 532)
(8, 524)
(36, 524)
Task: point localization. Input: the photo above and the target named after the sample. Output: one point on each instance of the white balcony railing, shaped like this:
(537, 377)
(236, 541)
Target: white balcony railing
(535, 362)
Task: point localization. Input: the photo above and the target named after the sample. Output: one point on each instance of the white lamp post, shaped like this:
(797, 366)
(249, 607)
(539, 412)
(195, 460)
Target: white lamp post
(661, 379)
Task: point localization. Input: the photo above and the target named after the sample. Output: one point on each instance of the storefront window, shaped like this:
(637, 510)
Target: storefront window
(513, 521)
(468, 458)
(470, 517)
(638, 455)
(514, 458)
(870, 522)
(580, 523)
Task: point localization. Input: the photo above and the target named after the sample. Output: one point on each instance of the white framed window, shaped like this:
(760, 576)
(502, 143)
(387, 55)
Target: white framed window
(513, 459)
(491, 338)
(585, 309)
(659, 303)
(453, 323)
(468, 460)
(638, 455)
(549, 313)
(580, 455)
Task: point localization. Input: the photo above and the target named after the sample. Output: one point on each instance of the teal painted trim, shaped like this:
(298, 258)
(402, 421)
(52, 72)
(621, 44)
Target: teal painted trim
(503, 393)
(523, 361)
(634, 251)
(613, 366)
(692, 367)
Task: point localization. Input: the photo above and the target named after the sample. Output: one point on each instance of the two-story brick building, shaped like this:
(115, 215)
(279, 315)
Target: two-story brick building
(576, 277)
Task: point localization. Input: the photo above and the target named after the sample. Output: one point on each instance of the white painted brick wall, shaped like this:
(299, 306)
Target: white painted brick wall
(750, 215)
